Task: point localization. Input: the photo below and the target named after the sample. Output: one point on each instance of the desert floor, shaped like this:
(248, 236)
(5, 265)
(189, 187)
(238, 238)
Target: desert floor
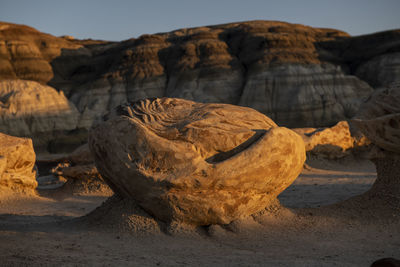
(48, 230)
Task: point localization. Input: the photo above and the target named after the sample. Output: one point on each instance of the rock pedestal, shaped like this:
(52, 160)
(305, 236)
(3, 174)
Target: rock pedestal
(379, 120)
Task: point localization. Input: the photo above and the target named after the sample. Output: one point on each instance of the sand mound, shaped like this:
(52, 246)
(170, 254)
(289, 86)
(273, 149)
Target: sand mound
(121, 215)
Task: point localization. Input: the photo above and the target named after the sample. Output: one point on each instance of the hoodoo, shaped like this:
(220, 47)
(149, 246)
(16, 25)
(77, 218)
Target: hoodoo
(379, 120)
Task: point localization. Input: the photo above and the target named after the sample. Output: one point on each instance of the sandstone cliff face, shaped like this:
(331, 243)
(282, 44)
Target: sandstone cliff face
(299, 76)
(28, 108)
(26, 53)
(270, 66)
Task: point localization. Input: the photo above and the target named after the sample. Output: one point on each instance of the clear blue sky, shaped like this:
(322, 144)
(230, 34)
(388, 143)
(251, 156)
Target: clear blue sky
(123, 19)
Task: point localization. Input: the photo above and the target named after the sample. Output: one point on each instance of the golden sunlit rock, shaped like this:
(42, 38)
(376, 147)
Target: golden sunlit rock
(17, 161)
(332, 142)
(193, 162)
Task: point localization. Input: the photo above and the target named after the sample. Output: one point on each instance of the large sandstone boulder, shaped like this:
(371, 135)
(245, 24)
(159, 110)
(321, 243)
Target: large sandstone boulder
(17, 162)
(197, 163)
(30, 109)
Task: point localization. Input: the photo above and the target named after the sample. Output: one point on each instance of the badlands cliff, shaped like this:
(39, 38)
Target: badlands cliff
(299, 76)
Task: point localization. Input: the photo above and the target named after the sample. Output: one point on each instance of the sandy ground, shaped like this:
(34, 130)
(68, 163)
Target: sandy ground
(46, 230)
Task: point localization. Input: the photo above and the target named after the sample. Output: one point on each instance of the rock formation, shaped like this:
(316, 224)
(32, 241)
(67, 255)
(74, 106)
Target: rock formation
(272, 67)
(379, 120)
(297, 75)
(17, 162)
(197, 163)
(374, 58)
(80, 173)
(333, 142)
(26, 53)
(28, 108)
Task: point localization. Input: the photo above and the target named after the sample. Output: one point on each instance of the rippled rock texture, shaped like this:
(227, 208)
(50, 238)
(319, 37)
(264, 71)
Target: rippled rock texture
(197, 163)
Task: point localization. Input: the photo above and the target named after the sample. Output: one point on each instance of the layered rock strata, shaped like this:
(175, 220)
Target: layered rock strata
(26, 53)
(197, 163)
(269, 66)
(297, 75)
(17, 162)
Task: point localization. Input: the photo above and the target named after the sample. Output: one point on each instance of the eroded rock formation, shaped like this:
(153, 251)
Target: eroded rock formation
(28, 108)
(297, 75)
(379, 120)
(80, 173)
(26, 53)
(272, 67)
(17, 162)
(333, 142)
(193, 162)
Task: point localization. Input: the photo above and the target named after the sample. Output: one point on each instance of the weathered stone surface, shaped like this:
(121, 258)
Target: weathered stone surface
(373, 58)
(193, 162)
(381, 71)
(30, 109)
(332, 142)
(379, 120)
(272, 67)
(26, 53)
(17, 161)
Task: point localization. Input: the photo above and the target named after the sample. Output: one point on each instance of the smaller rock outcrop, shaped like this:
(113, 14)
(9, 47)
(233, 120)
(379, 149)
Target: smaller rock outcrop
(30, 109)
(75, 173)
(196, 163)
(332, 142)
(379, 120)
(17, 162)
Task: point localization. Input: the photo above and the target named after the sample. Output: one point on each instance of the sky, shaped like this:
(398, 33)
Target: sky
(117, 20)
